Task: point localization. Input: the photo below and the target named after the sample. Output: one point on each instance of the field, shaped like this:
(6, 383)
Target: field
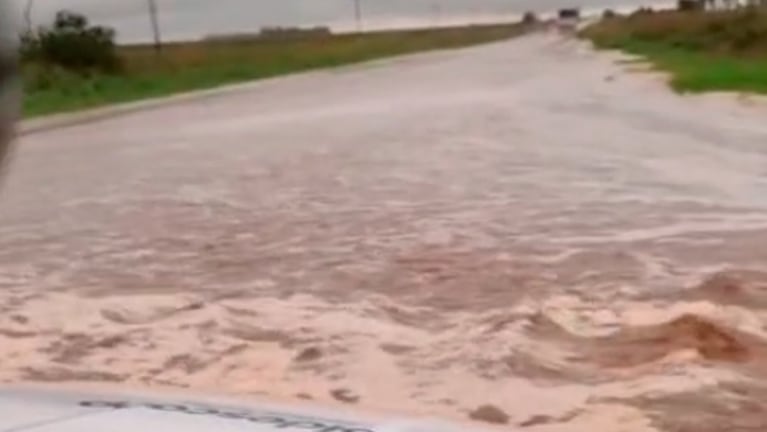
(197, 65)
(703, 51)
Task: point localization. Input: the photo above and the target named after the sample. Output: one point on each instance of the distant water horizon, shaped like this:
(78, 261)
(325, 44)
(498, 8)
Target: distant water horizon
(195, 19)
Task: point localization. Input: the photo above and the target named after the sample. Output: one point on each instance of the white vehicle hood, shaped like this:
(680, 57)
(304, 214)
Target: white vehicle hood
(23, 410)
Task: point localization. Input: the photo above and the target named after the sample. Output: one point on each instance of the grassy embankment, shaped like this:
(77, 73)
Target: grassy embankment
(715, 50)
(198, 65)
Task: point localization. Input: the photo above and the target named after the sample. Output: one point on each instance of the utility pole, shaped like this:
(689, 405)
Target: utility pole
(358, 14)
(28, 15)
(155, 25)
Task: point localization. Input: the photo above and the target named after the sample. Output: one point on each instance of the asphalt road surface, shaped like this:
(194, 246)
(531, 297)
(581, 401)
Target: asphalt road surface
(527, 227)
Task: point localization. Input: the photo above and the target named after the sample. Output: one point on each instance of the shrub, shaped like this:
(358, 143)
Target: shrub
(73, 44)
(529, 18)
(690, 5)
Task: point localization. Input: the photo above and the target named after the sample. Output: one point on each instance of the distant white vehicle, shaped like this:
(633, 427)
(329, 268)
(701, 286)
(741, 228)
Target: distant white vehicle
(568, 19)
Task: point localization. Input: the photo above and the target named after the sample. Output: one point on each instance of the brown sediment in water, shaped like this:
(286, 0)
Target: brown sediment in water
(489, 414)
(741, 288)
(641, 345)
(741, 405)
(635, 346)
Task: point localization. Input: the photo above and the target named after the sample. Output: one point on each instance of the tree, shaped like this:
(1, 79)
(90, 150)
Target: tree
(691, 5)
(529, 18)
(72, 43)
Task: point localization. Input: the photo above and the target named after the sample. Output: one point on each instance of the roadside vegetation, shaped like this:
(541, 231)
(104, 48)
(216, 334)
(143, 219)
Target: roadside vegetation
(73, 64)
(719, 49)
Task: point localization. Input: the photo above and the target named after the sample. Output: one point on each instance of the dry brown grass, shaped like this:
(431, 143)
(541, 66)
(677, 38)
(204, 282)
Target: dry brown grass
(742, 31)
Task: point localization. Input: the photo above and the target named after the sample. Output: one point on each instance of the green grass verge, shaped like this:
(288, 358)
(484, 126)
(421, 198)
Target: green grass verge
(723, 50)
(200, 65)
(693, 71)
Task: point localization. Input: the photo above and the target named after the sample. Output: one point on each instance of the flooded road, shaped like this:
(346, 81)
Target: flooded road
(523, 233)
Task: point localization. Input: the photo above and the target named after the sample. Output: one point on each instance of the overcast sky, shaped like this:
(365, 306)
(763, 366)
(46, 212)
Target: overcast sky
(190, 18)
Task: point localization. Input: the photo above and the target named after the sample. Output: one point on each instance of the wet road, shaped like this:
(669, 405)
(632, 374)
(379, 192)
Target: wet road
(524, 225)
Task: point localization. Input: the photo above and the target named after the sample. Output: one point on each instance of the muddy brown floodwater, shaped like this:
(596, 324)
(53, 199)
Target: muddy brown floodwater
(522, 233)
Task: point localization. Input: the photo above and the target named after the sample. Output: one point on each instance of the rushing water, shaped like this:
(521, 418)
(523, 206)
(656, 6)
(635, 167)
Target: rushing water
(191, 19)
(523, 226)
